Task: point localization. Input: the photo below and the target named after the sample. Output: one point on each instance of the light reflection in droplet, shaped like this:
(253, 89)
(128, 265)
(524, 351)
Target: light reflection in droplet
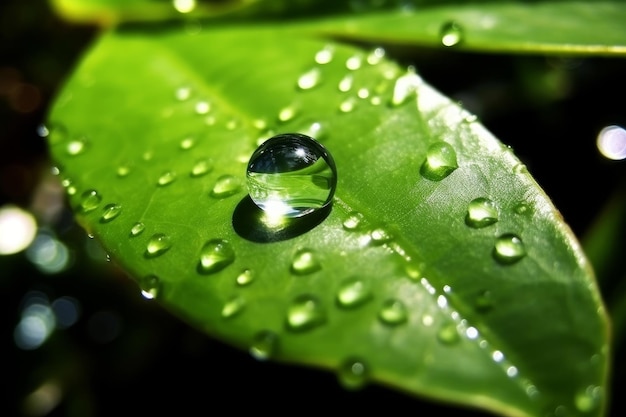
(611, 142)
(17, 229)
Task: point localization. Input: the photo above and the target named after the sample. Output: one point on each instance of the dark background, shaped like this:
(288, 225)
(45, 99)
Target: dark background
(124, 354)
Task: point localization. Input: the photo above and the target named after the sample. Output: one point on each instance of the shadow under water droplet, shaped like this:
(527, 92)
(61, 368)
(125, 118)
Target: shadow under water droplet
(251, 223)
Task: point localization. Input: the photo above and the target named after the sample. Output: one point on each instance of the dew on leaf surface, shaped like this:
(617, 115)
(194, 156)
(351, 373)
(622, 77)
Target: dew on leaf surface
(393, 312)
(451, 33)
(245, 277)
(291, 175)
(90, 200)
(233, 306)
(304, 262)
(305, 313)
(310, 79)
(353, 293)
(353, 373)
(158, 244)
(481, 212)
(137, 229)
(166, 178)
(448, 334)
(440, 161)
(111, 211)
(405, 87)
(509, 248)
(264, 345)
(201, 167)
(226, 186)
(215, 255)
(150, 286)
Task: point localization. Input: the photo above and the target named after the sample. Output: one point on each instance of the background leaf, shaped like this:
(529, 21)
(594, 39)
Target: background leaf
(171, 100)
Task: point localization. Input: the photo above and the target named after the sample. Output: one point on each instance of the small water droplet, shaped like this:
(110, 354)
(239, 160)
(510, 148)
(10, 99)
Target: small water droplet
(380, 236)
(150, 286)
(522, 208)
(76, 147)
(233, 307)
(123, 170)
(187, 143)
(353, 373)
(137, 229)
(226, 186)
(353, 293)
(287, 113)
(484, 301)
(201, 167)
(158, 244)
(90, 200)
(414, 270)
(405, 87)
(375, 56)
(588, 399)
(304, 262)
(509, 249)
(451, 34)
(305, 313)
(310, 79)
(481, 212)
(347, 105)
(166, 178)
(354, 62)
(353, 221)
(315, 130)
(111, 211)
(216, 254)
(291, 175)
(440, 161)
(345, 84)
(183, 93)
(448, 334)
(245, 277)
(202, 107)
(363, 93)
(393, 312)
(264, 345)
(325, 55)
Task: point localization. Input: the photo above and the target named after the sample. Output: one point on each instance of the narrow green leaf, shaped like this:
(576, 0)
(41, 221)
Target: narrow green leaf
(562, 27)
(397, 283)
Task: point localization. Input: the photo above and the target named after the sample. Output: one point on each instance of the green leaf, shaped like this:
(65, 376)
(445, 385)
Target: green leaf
(565, 27)
(393, 285)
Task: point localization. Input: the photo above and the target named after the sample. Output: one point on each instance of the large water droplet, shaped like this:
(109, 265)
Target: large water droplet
(245, 277)
(353, 293)
(310, 79)
(393, 312)
(150, 286)
(216, 254)
(291, 175)
(233, 306)
(158, 244)
(509, 249)
(304, 262)
(89, 201)
(304, 313)
(451, 34)
(440, 161)
(481, 212)
(352, 373)
(137, 229)
(264, 345)
(111, 211)
(226, 186)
